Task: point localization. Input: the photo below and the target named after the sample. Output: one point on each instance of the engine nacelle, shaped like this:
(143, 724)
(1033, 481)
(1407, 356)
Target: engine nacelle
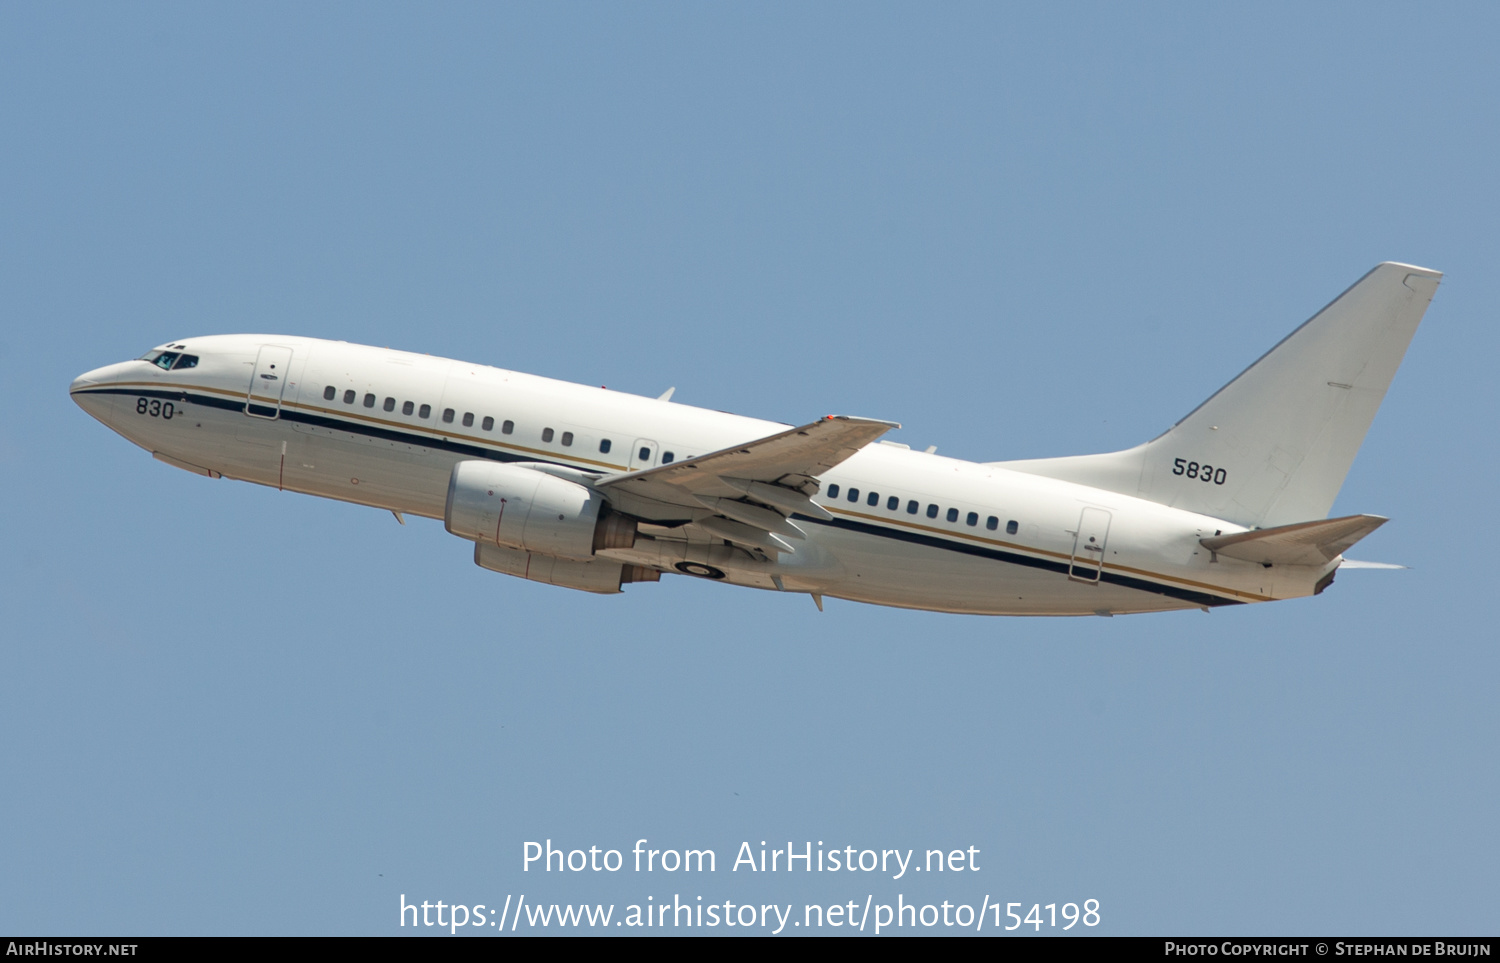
(601, 575)
(518, 508)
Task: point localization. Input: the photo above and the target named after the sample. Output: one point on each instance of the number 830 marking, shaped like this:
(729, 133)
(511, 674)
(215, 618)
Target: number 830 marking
(155, 408)
(1204, 473)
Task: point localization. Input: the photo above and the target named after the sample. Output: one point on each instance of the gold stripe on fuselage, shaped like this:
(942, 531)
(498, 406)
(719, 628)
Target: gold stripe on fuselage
(487, 442)
(367, 419)
(1028, 550)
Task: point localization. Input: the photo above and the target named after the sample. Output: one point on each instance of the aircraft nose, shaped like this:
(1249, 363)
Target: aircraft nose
(84, 393)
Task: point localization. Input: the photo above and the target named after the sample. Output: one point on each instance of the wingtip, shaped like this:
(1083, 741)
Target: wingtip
(890, 425)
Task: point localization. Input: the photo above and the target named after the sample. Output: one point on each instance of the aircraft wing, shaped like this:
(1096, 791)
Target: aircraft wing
(779, 471)
(1305, 543)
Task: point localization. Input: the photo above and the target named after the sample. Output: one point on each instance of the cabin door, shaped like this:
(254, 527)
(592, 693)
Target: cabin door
(1088, 545)
(268, 381)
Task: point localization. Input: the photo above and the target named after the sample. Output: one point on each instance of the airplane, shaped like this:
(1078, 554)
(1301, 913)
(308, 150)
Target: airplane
(591, 489)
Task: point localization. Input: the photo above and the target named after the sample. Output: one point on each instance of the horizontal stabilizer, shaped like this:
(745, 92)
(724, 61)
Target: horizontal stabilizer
(1305, 543)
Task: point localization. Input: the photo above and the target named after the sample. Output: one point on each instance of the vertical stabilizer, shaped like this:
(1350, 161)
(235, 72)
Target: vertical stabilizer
(1273, 446)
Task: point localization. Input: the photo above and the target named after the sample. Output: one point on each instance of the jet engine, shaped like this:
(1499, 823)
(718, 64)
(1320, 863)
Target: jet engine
(600, 575)
(529, 510)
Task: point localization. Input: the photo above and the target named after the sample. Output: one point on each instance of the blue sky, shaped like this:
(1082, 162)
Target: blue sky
(1019, 231)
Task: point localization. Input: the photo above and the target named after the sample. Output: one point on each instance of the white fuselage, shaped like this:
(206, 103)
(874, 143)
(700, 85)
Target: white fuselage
(910, 529)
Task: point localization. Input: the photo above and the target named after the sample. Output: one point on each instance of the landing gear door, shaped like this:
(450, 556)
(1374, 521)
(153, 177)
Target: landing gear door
(642, 454)
(1088, 545)
(268, 381)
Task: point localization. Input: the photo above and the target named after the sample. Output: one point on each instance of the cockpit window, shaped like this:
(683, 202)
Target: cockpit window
(165, 360)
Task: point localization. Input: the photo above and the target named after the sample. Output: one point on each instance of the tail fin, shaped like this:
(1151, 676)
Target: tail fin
(1274, 445)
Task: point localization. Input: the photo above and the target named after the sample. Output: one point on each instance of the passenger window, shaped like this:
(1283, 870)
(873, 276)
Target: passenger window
(448, 414)
(833, 491)
(349, 397)
(468, 419)
(186, 361)
(668, 457)
(546, 434)
(971, 519)
(390, 404)
(854, 494)
(644, 454)
(407, 408)
(952, 514)
(1011, 527)
(992, 523)
(567, 439)
(369, 401)
(911, 507)
(893, 503)
(604, 446)
(873, 499)
(329, 392)
(425, 411)
(932, 511)
(505, 427)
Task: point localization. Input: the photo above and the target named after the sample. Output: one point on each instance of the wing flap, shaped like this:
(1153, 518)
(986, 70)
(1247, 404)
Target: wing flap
(784, 500)
(1304, 543)
(744, 535)
(753, 515)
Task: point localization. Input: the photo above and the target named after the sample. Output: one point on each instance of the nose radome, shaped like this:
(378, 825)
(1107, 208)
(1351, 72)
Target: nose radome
(98, 404)
(109, 374)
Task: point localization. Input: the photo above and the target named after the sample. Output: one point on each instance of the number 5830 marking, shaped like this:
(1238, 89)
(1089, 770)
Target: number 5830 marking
(1204, 473)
